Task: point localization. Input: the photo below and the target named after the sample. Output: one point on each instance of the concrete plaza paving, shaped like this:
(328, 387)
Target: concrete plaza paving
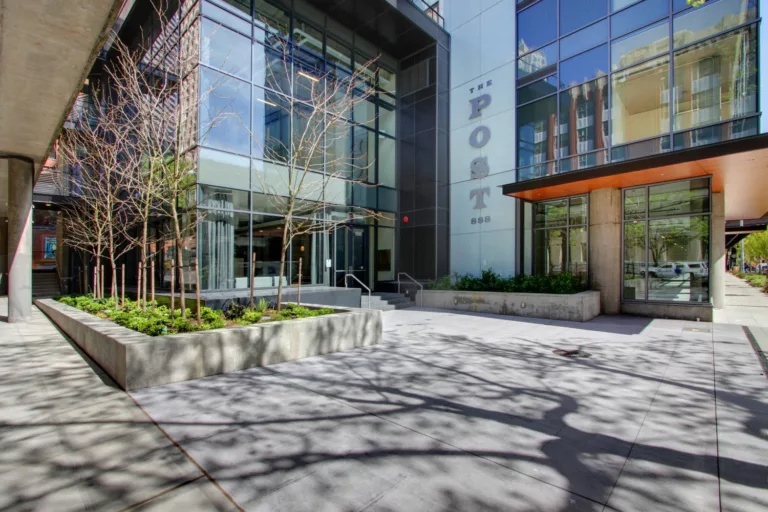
(450, 412)
(461, 412)
(71, 440)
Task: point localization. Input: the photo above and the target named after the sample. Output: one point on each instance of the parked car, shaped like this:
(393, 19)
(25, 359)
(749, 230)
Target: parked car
(680, 270)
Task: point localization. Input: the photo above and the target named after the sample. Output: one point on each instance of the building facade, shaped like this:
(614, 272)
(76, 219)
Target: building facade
(612, 139)
(596, 134)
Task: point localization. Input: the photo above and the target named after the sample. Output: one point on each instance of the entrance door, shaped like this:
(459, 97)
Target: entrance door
(352, 255)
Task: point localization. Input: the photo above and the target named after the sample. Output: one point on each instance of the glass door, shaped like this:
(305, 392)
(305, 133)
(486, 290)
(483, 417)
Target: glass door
(352, 251)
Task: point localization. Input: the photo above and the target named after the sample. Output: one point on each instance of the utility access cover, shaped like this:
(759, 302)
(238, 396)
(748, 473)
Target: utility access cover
(571, 354)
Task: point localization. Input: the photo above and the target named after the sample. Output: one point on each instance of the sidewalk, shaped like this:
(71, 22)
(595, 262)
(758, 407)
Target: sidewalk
(73, 441)
(747, 306)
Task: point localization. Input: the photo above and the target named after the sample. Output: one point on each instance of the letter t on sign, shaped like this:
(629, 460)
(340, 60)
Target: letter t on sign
(478, 104)
(478, 195)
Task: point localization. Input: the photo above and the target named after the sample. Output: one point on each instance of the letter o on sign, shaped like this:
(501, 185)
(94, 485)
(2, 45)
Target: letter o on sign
(479, 136)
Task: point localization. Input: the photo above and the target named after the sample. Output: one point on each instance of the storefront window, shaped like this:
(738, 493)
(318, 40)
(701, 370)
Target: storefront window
(223, 238)
(560, 234)
(666, 245)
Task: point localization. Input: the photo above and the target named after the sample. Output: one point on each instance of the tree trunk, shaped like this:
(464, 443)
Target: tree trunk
(101, 282)
(298, 296)
(173, 285)
(122, 286)
(282, 266)
(144, 279)
(95, 281)
(113, 283)
(152, 277)
(138, 286)
(179, 258)
(253, 275)
(197, 292)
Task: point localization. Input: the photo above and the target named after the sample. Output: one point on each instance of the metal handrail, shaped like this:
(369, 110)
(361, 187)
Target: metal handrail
(361, 284)
(415, 281)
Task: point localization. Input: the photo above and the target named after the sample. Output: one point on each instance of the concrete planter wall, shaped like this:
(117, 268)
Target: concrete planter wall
(579, 307)
(136, 361)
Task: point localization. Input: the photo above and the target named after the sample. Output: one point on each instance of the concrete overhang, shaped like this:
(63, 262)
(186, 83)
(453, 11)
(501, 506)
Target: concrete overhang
(398, 26)
(738, 168)
(46, 50)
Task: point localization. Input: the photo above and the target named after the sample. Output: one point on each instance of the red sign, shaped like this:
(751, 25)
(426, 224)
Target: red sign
(405, 219)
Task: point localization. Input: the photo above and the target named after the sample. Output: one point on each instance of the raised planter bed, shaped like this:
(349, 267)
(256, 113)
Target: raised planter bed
(135, 360)
(577, 307)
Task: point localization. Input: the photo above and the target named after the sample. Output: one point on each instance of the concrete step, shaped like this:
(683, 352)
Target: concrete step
(386, 301)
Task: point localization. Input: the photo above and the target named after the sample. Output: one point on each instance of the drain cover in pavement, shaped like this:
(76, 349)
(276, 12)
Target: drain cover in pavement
(695, 329)
(571, 353)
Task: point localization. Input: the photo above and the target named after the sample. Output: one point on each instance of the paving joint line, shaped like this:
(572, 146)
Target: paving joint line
(758, 352)
(642, 423)
(436, 439)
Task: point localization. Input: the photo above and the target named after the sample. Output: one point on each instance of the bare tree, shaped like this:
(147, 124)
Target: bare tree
(95, 148)
(307, 138)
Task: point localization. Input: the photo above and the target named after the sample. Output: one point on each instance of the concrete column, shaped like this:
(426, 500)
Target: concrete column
(3, 256)
(20, 180)
(605, 247)
(717, 252)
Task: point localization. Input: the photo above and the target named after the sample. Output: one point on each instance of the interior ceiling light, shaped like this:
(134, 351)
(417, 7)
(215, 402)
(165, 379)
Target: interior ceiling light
(308, 76)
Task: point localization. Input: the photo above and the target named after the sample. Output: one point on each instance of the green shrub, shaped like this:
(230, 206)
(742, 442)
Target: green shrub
(740, 274)
(490, 281)
(234, 311)
(443, 283)
(262, 305)
(756, 280)
(251, 317)
(208, 315)
(181, 325)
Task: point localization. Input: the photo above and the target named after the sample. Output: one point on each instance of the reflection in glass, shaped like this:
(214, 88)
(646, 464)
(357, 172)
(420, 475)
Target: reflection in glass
(549, 250)
(643, 44)
(223, 198)
(620, 4)
(584, 39)
(271, 126)
(588, 65)
(387, 114)
(536, 26)
(634, 260)
(386, 162)
(717, 133)
(716, 80)
(641, 101)
(638, 15)
(634, 203)
(711, 18)
(577, 210)
(679, 197)
(577, 13)
(225, 49)
(536, 131)
(224, 112)
(584, 119)
(270, 70)
(271, 18)
(678, 250)
(577, 252)
(267, 245)
(550, 214)
(308, 248)
(537, 90)
(540, 62)
(223, 239)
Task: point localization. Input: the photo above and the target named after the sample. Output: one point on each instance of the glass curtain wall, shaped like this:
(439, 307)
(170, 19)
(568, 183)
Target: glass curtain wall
(246, 131)
(560, 236)
(666, 232)
(602, 81)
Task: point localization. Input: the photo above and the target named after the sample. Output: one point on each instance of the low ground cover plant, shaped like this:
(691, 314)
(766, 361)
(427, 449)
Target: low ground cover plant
(159, 321)
(490, 281)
